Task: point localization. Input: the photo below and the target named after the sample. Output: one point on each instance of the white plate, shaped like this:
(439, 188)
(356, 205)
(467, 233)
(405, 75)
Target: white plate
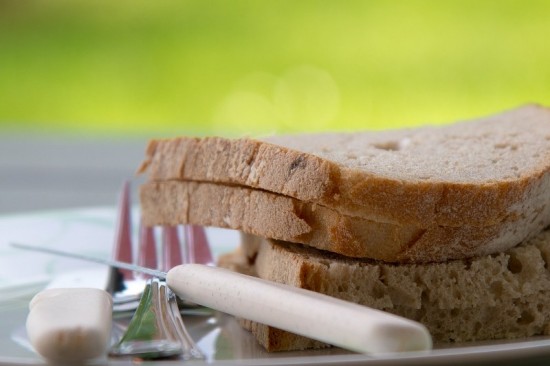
(90, 231)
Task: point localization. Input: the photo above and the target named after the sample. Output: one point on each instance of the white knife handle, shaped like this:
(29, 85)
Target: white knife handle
(69, 325)
(324, 318)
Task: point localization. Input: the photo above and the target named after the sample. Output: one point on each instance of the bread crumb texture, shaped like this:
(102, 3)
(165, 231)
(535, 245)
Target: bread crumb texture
(496, 296)
(497, 148)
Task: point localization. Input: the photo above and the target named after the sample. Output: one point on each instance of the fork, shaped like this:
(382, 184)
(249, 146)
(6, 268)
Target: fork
(126, 286)
(156, 329)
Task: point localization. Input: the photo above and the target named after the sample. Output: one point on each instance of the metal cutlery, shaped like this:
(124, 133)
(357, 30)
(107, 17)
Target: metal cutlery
(156, 329)
(314, 315)
(311, 314)
(127, 286)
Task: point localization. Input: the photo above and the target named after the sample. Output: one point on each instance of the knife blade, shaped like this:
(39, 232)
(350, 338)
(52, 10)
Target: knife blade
(107, 262)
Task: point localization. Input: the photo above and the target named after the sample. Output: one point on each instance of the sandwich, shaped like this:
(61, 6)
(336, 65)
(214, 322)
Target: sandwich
(440, 210)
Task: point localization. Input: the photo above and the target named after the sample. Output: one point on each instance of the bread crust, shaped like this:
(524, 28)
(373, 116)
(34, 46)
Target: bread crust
(280, 217)
(499, 296)
(274, 339)
(450, 176)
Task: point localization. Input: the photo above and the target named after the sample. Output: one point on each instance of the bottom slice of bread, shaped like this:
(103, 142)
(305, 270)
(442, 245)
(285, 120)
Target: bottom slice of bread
(505, 295)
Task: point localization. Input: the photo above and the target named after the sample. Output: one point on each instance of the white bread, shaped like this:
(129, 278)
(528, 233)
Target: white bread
(280, 217)
(475, 173)
(505, 295)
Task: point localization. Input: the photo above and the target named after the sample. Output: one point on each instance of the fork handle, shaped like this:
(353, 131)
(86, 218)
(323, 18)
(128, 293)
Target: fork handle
(314, 315)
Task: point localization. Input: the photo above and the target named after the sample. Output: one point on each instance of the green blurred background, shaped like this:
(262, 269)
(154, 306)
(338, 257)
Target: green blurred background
(258, 67)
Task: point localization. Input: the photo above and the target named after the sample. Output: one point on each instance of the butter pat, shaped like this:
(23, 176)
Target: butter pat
(70, 324)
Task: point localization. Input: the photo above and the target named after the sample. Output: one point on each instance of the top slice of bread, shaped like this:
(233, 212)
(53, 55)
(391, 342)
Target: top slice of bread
(477, 173)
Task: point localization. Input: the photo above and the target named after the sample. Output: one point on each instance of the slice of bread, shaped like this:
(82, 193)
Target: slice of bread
(280, 217)
(475, 173)
(505, 295)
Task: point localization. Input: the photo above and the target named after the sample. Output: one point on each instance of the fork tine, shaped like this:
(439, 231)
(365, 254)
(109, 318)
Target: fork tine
(199, 248)
(122, 250)
(171, 248)
(147, 253)
(190, 349)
